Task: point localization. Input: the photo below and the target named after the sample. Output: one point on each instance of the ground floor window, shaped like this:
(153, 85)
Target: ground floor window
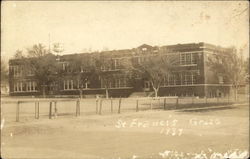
(25, 86)
(120, 82)
(181, 78)
(68, 84)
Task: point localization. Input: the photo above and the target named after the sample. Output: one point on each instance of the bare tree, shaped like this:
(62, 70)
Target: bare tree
(232, 67)
(4, 71)
(153, 67)
(43, 65)
(18, 54)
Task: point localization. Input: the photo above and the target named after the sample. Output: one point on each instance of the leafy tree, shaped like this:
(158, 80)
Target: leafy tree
(232, 67)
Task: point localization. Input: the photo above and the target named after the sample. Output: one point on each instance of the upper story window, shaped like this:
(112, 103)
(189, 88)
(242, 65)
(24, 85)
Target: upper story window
(65, 66)
(30, 72)
(17, 71)
(188, 58)
(144, 49)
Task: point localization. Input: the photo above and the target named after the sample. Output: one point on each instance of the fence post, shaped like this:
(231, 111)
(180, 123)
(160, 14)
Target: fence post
(228, 98)
(77, 107)
(119, 107)
(17, 111)
(100, 109)
(192, 99)
(97, 100)
(38, 110)
(50, 109)
(151, 105)
(137, 105)
(35, 110)
(111, 104)
(217, 100)
(177, 102)
(164, 103)
(55, 109)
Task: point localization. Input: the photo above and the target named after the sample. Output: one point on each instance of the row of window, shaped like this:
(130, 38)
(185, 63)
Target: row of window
(18, 71)
(188, 58)
(182, 78)
(75, 84)
(115, 83)
(25, 86)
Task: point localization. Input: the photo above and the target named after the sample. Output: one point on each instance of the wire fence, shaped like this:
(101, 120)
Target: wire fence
(27, 109)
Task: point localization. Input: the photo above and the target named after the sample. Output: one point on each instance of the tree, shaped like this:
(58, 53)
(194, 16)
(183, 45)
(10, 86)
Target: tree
(38, 50)
(4, 72)
(232, 67)
(154, 68)
(84, 68)
(43, 65)
(103, 68)
(19, 54)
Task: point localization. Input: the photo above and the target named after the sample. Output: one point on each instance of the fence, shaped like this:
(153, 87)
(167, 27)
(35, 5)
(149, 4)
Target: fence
(52, 108)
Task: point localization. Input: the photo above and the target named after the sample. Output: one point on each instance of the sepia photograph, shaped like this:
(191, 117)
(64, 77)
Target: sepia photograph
(124, 80)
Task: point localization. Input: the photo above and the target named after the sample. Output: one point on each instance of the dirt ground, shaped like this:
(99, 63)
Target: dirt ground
(143, 134)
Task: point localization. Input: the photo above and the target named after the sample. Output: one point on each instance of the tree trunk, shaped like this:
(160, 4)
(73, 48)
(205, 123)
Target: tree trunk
(156, 91)
(81, 93)
(44, 94)
(236, 94)
(107, 93)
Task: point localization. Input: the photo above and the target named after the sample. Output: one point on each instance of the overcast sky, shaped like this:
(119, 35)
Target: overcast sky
(122, 25)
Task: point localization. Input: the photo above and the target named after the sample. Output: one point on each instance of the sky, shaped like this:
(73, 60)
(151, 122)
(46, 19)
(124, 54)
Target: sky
(82, 26)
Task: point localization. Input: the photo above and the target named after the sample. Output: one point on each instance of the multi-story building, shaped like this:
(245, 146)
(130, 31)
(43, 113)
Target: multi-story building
(192, 75)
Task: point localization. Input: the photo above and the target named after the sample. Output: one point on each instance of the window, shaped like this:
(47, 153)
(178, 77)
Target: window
(17, 70)
(194, 57)
(68, 84)
(65, 66)
(220, 79)
(31, 86)
(21, 86)
(188, 58)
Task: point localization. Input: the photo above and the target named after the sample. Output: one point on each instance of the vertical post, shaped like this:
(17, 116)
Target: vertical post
(228, 98)
(151, 105)
(119, 107)
(111, 104)
(55, 112)
(206, 99)
(217, 100)
(17, 111)
(35, 110)
(50, 109)
(76, 107)
(177, 102)
(38, 110)
(100, 109)
(97, 105)
(79, 107)
(192, 99)
(164, 104)
(137, 105)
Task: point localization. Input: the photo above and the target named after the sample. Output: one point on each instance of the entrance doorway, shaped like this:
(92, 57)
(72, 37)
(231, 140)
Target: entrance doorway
(146, 86)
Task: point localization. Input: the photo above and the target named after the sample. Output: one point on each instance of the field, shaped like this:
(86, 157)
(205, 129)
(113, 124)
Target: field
(143, 134)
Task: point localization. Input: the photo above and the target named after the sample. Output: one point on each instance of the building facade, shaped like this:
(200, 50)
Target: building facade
(192, 75)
